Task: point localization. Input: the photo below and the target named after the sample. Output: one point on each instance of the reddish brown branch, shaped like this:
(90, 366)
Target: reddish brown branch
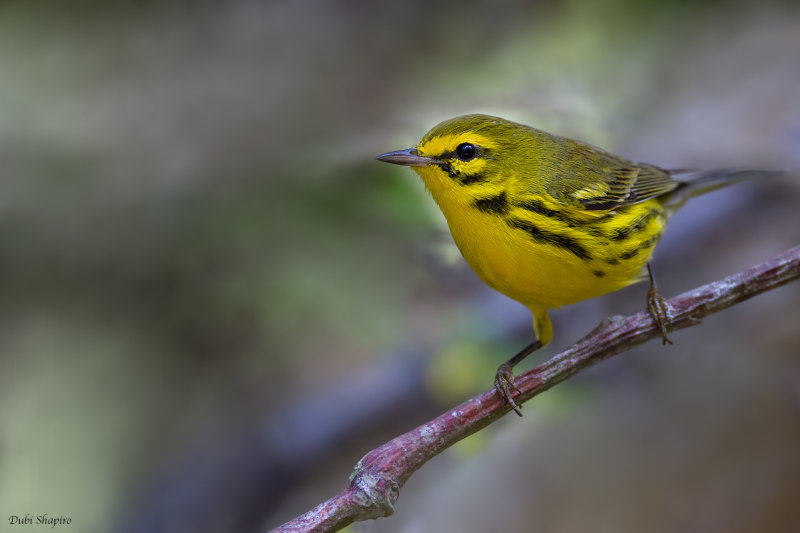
(378, 477)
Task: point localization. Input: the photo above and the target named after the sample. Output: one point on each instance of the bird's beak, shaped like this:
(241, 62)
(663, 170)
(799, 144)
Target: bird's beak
(409, 157)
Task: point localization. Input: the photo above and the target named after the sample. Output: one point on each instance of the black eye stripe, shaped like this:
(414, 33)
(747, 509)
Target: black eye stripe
(462, 178)
(480, 152)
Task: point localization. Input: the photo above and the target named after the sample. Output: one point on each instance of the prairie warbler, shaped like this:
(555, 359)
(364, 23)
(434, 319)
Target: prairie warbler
(549, 221)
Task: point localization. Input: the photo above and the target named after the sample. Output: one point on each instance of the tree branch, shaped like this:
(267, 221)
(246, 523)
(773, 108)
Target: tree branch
(378, 477)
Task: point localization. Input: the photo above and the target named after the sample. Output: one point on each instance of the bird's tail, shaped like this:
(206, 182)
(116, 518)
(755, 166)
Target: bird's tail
(711, 180)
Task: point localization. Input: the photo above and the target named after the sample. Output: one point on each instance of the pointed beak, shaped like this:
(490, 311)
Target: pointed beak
(408, 157)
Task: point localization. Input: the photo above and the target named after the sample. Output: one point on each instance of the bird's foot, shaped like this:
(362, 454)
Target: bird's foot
(658, 308)
(504, 383)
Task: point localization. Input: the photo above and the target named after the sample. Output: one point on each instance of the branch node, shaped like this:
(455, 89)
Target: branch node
(374, 493)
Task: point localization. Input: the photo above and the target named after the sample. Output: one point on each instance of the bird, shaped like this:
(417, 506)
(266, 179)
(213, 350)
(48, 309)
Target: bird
(550, 221)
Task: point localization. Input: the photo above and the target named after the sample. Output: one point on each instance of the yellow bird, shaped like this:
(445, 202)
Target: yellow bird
(546, 220)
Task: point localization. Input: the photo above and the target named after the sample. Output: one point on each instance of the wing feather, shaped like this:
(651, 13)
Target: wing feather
(602, 181)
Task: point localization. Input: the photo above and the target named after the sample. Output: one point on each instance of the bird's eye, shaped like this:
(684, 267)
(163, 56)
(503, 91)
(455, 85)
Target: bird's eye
(466, 151)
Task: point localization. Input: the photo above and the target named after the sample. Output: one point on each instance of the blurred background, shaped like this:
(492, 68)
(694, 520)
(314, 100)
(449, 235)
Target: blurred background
(214, 301)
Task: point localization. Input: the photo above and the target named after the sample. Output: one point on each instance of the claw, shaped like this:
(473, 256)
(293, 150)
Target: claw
(657, 306)
(504, 383)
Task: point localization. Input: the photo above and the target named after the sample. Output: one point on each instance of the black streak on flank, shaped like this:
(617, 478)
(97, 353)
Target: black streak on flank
(630, 254)
(644, 245)
(497, 205)
(536, 206)
(598, 273)
(554, 239)
(636, 226)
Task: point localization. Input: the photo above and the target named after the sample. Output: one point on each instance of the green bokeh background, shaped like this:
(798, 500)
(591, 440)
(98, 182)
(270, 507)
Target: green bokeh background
(213, 301)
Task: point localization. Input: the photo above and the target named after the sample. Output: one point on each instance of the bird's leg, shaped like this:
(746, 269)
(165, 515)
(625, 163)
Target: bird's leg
(504, 380)
(657, 307)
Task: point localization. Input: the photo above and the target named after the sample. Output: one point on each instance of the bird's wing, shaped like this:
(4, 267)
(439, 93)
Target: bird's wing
(601, 181)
